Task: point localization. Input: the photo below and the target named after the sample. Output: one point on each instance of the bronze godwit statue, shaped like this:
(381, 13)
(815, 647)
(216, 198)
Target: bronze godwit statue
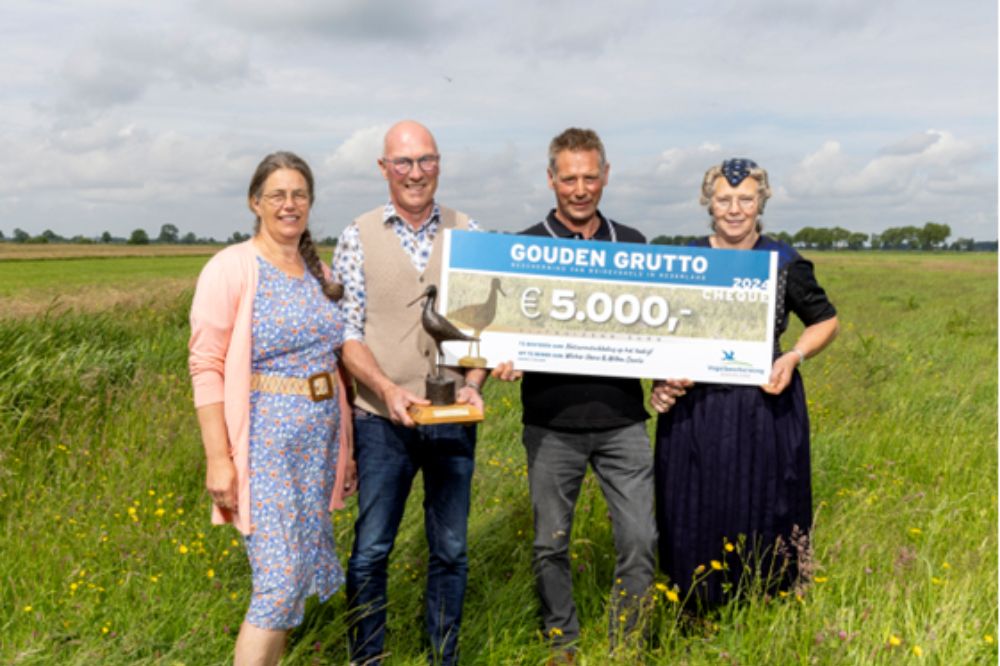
(439, 328)
(478, 316)
(440, 389)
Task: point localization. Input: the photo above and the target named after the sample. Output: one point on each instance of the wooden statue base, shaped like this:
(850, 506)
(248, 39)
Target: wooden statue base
(455, 413)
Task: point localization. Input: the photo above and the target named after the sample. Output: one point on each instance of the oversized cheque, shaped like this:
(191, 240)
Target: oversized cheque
(612, 309)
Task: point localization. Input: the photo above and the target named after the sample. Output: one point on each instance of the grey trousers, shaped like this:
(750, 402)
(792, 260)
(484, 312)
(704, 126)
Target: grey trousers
(622, 460)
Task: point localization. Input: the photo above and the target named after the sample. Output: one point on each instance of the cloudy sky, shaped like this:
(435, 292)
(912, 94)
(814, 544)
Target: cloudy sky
(120, 114)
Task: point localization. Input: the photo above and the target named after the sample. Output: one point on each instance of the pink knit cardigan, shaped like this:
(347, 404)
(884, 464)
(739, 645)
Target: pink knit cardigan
(219, 361)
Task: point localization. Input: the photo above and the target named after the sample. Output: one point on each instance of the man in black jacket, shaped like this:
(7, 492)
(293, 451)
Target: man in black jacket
(571, 421)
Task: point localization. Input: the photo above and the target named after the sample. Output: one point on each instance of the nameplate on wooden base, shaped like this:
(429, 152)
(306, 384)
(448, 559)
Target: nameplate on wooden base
(455, 413)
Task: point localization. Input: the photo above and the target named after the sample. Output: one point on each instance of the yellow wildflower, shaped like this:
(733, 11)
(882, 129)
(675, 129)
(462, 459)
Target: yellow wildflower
(895, 641)
(182, 549)
(672, 596)
(988, 638)
(730, 547)
(918, 651)
(27, 609)
(821, 579)
(210, 573)
(233, 596)
(916, 531)
(699, 569)
(154, 579)
(945, 565)
(555, 631)
(717, 565)
(661, 587)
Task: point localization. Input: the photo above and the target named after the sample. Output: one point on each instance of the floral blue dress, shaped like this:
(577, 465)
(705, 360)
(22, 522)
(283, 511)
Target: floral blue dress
(293, 451)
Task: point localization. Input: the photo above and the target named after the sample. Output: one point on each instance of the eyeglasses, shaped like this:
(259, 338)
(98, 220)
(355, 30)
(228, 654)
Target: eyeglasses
(404, 165)
(725, 203)
(278, 198)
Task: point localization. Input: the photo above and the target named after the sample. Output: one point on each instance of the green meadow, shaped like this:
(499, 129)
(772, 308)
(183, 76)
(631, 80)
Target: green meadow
(107, 555)
(33, 286)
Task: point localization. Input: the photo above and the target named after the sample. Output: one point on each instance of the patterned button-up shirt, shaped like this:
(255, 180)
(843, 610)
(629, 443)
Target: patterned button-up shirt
(349, 260)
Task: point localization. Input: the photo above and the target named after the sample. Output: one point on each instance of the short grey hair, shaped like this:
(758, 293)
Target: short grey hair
(575, 139)
(757, 173)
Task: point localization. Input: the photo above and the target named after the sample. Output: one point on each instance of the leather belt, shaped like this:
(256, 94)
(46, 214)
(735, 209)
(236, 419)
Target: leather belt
(319, 386)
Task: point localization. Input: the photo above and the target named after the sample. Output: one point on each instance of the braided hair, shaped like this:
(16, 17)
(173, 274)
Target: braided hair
(287, 160)
(333, 290)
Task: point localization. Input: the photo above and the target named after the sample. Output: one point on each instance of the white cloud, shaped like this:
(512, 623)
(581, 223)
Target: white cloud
(357, 155)
(350, 20)
(899, 170)
(164, 109)
(117, 68)
(913, 144)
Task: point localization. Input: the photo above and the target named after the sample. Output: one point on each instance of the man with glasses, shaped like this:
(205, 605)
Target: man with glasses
(385, 259)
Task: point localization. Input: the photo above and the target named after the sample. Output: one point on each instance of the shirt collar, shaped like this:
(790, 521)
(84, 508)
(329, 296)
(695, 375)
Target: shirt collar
(560, 230)
(389, 214)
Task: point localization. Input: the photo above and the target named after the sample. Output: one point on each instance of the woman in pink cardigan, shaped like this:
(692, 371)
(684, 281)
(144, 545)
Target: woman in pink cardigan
(272, 406)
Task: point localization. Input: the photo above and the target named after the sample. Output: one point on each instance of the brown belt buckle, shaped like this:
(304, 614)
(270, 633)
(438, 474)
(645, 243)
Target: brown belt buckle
(320, 386)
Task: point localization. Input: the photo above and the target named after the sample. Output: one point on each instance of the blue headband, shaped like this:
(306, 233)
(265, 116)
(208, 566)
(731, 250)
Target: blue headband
(737, 169)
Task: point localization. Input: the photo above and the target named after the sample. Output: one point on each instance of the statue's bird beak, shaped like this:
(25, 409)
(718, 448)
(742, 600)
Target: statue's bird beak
(425, 294)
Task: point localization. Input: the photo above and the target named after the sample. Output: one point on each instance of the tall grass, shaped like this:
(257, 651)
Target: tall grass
(107, 557)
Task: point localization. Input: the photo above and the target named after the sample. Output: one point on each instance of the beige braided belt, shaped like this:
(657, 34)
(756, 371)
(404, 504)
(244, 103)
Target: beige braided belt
(318, 387)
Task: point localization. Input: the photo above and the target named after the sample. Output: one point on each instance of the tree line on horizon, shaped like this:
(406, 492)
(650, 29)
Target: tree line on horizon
(169, 235)
(932, 236)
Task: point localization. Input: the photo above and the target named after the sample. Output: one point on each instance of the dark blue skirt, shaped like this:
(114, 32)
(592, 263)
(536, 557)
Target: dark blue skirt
(732, 467)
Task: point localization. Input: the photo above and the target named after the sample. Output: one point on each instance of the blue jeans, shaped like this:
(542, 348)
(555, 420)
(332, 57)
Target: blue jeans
(388, 457)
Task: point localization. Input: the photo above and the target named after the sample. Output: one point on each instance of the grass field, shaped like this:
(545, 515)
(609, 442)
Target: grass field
(31, 251)
(107, 555)
(35, 279)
